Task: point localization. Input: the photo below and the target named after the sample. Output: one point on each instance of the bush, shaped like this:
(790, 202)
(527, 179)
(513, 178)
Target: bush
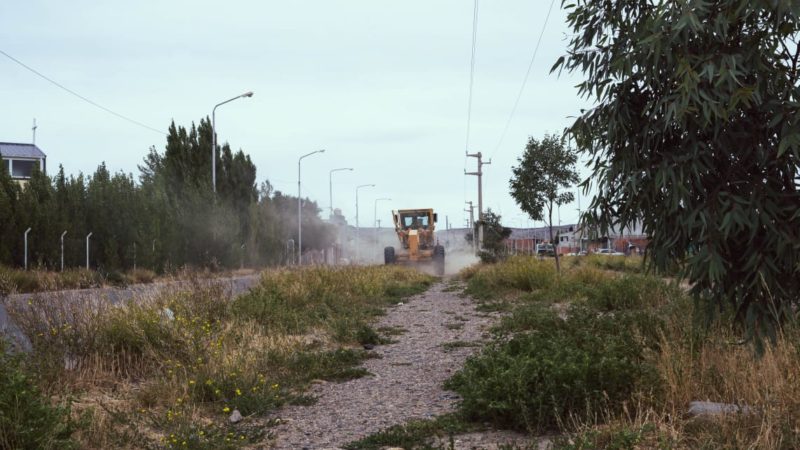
(27, 419)
(517, 273)
(559, 369)
(630, 292)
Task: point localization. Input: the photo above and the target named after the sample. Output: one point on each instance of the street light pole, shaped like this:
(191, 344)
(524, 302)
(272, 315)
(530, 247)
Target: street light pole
(358, 230)
(62, 249)
(26, 247)
(214, 138)
(300, 209)
(330, 185)
(375, 216)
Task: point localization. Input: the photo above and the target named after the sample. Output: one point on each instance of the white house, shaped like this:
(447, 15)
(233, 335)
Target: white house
(20, 159)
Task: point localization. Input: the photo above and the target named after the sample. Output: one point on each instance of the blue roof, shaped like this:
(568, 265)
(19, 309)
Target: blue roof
(14, 150)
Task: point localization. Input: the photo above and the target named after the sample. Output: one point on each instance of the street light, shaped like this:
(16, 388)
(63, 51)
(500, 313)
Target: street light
(62, 249)
(358, 231)
(26, 247)
(87, 249)
(330, 184)
(214, 138)
(375, 216)
(300, 209)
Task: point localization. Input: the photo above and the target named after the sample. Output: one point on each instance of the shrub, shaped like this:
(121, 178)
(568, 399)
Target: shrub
(518, 273)
(27, 419)
(558, 370)
(630, 292)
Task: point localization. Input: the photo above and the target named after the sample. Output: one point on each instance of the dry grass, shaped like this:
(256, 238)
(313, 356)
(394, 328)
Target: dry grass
(17, 281)
(171, 367)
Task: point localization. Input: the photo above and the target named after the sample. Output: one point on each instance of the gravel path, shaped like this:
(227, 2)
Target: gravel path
(406, 382)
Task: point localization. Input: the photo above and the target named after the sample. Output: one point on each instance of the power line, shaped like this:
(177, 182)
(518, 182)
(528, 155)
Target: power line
(525, 80)
(95, 104)
(471, 83)
(472, 71)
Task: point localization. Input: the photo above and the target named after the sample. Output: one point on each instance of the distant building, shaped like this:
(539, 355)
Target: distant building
(21, 159)
(574, 238)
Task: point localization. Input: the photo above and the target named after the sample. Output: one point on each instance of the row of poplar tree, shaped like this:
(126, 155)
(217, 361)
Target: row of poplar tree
(169, 218)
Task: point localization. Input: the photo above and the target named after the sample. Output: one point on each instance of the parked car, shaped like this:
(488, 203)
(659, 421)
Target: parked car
(609, 252)
(545, 249)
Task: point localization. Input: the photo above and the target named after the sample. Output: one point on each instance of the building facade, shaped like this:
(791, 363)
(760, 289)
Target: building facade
(20, 160)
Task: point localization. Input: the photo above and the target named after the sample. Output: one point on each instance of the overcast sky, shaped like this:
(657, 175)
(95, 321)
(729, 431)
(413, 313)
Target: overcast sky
(382, 86)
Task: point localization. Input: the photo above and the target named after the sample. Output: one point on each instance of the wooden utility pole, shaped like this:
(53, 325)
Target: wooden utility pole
(479, 174)
(471, 225)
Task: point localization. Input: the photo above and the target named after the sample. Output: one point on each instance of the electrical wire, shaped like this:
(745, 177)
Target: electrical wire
(525, 80)
(472, 71)
(95, 104)
(471, 83)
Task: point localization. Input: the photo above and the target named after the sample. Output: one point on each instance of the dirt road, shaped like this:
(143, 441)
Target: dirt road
(406, 381)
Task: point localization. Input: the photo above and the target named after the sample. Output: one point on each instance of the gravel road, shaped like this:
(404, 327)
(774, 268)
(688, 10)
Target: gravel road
(406, 383)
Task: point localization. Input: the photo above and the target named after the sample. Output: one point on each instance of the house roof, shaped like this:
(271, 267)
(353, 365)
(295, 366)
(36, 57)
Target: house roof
(15, 150)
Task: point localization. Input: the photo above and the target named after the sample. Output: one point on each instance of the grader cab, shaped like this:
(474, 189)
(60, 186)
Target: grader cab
(418, 245)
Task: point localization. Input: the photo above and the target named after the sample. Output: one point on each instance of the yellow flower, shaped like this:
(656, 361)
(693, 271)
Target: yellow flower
(191, 382)
(275, 386)
(238, 392)
(226, 409)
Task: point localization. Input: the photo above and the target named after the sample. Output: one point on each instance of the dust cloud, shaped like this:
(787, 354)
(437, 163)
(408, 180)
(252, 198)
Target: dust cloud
(367, 244)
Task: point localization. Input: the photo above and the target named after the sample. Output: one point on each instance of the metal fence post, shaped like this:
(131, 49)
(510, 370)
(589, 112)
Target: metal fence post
(87, 250)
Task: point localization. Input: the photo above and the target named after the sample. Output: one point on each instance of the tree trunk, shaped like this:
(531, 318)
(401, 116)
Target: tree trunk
(555, 247)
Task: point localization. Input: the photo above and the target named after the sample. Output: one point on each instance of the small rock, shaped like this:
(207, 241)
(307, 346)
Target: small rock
(399, 303)
(235, 417)
(168, 314)
(713, 408)
(369, 346)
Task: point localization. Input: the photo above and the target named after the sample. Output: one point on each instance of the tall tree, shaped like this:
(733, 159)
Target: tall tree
(546, 169)
(696, 133)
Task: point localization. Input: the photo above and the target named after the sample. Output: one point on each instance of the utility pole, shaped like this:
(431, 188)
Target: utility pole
(471, 225)
(479, 174)
(34, 131)
(62, 249)
(447, 230)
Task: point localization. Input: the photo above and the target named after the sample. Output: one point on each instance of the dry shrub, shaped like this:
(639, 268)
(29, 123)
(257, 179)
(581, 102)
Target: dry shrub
(24, 281)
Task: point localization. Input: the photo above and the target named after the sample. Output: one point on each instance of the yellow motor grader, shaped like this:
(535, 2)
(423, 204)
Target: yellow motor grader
(418, 247)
